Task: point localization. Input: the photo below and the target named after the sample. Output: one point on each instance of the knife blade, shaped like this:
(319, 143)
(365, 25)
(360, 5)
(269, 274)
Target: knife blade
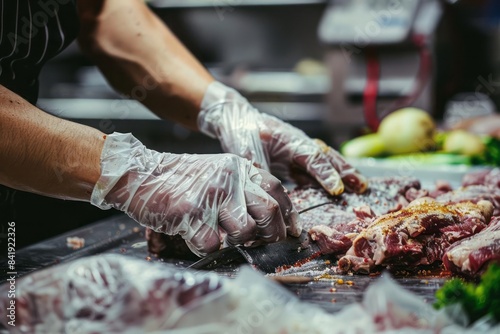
(268, 257)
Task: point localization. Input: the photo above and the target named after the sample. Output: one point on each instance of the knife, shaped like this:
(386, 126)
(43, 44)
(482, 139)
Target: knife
(267, 258)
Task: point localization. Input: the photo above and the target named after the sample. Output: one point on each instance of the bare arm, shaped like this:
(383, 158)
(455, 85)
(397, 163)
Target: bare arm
(44, 154)
(141, 58)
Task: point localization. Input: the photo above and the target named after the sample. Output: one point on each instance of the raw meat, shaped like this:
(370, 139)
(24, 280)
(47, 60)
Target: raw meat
(382, 196)
(489, 178)
(418, 234)
(336, 238)
(476, 186)
(473, 193)
(470, 256)
(334, 221)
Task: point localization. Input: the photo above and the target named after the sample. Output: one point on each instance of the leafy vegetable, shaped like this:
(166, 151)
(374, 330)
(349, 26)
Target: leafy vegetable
(478, 300)
(491, 155)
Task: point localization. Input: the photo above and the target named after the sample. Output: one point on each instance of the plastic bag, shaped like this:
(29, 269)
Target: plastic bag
(118, 294)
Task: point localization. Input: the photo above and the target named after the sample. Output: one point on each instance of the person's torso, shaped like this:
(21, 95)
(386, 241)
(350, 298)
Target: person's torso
(32, 32)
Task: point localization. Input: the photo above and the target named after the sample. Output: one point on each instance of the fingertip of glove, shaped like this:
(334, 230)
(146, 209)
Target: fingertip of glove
(333, 185)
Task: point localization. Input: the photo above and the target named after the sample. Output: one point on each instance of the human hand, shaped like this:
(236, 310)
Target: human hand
(272, 144)
(200, 197)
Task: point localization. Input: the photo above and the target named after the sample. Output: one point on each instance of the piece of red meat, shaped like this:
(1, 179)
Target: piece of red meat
(418, 234)
(337, 238)
(472, 255)
(473, 193)
(489, 178)
(384, 194)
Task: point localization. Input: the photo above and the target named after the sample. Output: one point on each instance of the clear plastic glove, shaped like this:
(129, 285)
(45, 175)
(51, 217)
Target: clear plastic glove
(200, 197)
(272, 144)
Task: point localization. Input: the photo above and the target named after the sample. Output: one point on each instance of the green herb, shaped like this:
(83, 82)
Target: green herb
(477, 300)
(491, 154)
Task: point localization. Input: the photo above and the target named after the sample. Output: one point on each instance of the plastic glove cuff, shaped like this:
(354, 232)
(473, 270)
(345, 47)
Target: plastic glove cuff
(115, 162)
(216, 96)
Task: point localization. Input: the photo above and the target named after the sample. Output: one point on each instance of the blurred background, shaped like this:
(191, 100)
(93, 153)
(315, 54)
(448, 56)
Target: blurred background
(332, 68)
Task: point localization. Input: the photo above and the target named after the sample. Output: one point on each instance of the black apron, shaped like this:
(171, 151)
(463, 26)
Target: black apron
(31, 33)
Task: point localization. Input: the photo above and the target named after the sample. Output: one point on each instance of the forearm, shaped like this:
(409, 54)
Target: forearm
(43, 154)
(141, 58)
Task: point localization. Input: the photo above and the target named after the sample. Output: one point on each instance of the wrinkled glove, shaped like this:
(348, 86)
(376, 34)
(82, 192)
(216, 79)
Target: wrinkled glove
(272, 144)
(200, 197)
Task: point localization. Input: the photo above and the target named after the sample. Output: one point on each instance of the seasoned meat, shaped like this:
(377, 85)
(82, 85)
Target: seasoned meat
(384, 194)
(471, 256)
(418, 234)
(474, 193)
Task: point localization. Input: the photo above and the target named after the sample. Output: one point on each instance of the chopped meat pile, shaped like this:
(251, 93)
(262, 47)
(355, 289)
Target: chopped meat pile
(416, 235)
(378, 229)
(343, 216)
(334, 226)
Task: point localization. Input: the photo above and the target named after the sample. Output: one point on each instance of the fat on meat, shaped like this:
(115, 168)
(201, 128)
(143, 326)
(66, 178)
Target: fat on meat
(471, 256)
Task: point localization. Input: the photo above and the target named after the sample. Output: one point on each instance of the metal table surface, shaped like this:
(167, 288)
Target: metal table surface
(120, 234)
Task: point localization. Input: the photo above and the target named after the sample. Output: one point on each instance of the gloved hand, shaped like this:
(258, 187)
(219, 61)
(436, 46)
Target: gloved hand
(196, 196)
(272, 144)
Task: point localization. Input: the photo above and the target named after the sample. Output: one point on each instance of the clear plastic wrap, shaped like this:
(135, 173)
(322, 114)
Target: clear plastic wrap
(118, 294)
(272, 144)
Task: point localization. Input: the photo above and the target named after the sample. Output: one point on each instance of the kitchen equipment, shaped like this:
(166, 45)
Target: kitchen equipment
(380, 59)
(266, 258)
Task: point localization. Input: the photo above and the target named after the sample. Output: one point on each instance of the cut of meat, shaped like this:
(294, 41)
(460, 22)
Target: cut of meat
(474, 193)
(357, 264)
(470, 256)
(489, 178)
(383, 195)
(337, 238)
(334, 226)
(418, 234)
